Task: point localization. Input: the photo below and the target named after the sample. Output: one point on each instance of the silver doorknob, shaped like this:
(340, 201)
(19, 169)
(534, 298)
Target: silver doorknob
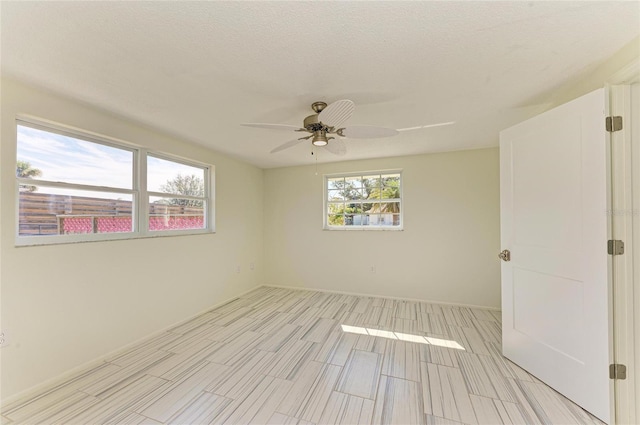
(505, 255)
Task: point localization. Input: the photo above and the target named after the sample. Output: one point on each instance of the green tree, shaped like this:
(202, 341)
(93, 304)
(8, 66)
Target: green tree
(389, 192)
(24, 170)
(345, 190)
(337, 213)
(184, 185)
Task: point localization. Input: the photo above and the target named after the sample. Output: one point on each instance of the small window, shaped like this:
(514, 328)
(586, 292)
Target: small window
(176, 193)
(371, 200)
(76, 187)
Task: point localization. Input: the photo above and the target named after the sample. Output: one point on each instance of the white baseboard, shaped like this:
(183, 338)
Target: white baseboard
(72, 373)
(330, 291)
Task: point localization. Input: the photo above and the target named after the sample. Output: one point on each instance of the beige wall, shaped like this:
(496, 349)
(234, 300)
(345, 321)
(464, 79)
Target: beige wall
(446, 252)
(65, 305)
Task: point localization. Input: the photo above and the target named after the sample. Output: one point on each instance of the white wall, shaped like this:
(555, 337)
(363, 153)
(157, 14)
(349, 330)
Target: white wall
(65, 305)
(446, 252)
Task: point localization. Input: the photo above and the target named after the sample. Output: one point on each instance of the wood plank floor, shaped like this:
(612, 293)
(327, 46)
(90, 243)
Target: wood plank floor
(279, 356)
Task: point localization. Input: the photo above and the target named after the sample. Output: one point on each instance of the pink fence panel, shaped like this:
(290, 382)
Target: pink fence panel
(175, 222)
(120, 224)
(73, 225)
(113, 224)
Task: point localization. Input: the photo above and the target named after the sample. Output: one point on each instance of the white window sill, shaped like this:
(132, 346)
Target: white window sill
(364, 229)
(24, 241)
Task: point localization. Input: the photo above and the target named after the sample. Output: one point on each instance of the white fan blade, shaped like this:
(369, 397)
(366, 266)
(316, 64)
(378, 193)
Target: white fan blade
(272, 126)
(337, 147)
(337, 113)
(368, 132)
(289, 144)
(440, 124)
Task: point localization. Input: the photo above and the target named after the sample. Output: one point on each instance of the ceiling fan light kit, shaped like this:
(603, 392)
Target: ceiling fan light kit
(329, 120)
(320, 139)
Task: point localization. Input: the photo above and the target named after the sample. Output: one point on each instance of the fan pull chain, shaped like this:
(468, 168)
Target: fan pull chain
(314, 153)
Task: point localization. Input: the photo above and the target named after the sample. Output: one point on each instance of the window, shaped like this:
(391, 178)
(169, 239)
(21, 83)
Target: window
(176, 195)
(73, 186)
(371, 200)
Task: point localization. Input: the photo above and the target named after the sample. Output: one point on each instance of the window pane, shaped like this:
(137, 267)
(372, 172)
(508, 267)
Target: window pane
(335, 183)
(353, 194)
(353, 181)
(390, 192)
(335, 208)
(354, 220)
(389, 207)
(335, 195)
(53, 211)
(349, 189)
(335, 220)
(44, 155)
(348, 220)
(353, 208)
(372, 220)
(372, 186)
(371, 181)
(175, 214)
(173, 177)
(391, 180)
(374, 193)
(389, 219)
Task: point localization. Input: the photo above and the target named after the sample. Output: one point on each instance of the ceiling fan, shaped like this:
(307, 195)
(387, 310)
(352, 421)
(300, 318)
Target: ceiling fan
(327, 122)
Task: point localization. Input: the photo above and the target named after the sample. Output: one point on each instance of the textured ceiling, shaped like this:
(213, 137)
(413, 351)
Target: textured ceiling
(199, 69)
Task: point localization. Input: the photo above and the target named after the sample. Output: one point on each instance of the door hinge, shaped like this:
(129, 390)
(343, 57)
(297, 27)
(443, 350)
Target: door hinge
(613, 124)
(615, 247)
(617, 371)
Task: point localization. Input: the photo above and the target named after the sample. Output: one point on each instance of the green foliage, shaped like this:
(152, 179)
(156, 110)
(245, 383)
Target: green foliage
(184, 185)
(336, 220)
(367, 187)
(391, 192)
(26, 171)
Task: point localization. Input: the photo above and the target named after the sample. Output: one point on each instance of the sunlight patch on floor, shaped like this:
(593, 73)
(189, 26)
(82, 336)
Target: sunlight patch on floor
(402, 337)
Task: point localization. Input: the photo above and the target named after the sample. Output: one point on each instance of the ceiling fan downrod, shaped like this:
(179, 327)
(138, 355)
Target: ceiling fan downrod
(318, 106)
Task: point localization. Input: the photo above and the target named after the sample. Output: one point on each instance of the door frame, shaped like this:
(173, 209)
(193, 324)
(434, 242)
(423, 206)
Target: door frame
(625, 197)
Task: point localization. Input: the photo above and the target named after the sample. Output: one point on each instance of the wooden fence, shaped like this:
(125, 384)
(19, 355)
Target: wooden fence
(48, 214)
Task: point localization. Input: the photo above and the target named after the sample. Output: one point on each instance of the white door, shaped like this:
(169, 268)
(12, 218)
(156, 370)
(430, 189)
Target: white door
(553, 196)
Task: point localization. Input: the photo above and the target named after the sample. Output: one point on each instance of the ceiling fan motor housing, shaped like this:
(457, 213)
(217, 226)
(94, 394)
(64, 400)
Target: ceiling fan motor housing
(313, 124)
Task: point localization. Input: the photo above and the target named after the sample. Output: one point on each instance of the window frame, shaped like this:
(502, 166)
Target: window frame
(326, 202)
(208, 211)
(138, 192)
